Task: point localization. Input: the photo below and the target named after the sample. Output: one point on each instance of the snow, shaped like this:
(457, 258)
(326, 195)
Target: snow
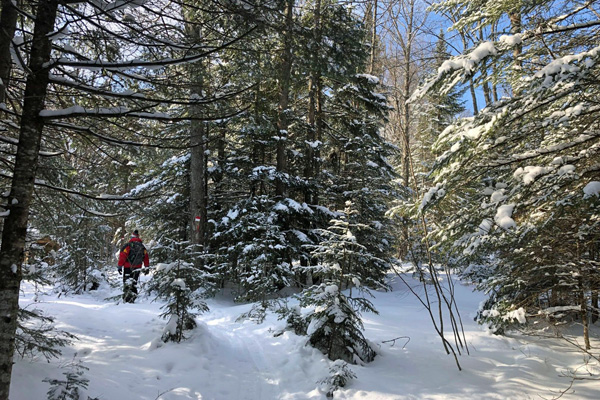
(370, 78)
(233, 214)
(224, 359)
(179, 283)
(566, 169)
(503, 216)
(485, 226)
(498, 196)
(301, 236)
(281, 207)
(314, 144)
(468, 62)
(591, 189)
(563, 65)
(511, 40)
(434, 191)
(529, 173)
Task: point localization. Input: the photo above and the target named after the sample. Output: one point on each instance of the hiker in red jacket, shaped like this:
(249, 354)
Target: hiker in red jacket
(133, 254)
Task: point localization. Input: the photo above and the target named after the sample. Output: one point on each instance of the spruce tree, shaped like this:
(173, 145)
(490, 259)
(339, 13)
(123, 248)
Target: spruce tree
(334, 325)
(182, 285)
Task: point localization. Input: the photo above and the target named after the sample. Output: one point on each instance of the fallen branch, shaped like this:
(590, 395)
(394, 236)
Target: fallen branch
(394, 341)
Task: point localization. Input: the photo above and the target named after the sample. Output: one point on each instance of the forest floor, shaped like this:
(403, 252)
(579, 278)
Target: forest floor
(228, 360)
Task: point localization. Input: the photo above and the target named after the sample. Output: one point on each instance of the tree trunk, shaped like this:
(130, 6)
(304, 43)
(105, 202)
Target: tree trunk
(584, 316)
(516, 27)
(15, 226)
(8, 24)
(198, 140)
(284, 94)
(406, 110)
(314, 87)
(487, 93)
(373, 38)
(595, 310)
(198, 181)
(465, 43)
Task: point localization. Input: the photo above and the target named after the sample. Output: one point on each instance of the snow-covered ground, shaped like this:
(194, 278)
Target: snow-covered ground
(225, 359)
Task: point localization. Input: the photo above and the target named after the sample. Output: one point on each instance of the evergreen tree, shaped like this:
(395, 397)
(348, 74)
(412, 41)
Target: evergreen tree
(519, 180)
(73, 386)
(334, 325)
(333, 153)
(182, 285)
(36, 332)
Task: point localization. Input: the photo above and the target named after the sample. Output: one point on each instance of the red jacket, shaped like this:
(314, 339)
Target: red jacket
(123, 262)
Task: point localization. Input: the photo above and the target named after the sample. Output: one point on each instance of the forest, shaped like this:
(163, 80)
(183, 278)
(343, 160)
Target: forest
(297, 157)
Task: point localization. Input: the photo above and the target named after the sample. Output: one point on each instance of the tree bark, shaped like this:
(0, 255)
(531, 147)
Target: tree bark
(198, 181)
(487, 93)
(584, 316)
(373, 38)
(314, 87)
(594, 305)
(198, 141)
(406, 110)
(284, 94)
(8, 25)
(21, 194)
(516, 27)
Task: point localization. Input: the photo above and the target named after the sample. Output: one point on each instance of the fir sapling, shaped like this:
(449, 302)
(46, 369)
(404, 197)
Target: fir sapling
(339, 376)
(73, 386)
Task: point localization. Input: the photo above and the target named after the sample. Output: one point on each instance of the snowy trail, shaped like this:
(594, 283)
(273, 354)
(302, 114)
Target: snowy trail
(222, 359)
(228, 360)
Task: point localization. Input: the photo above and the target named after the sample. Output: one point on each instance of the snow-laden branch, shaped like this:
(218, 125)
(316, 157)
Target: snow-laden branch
(194, 100)
(155, 64)
(122, 111)
(460, 68)
(102, 197)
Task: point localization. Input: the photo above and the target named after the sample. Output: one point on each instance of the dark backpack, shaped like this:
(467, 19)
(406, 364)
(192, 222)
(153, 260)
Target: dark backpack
(136, 253)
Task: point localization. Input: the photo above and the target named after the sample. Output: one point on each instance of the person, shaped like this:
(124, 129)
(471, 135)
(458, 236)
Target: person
(131, 257)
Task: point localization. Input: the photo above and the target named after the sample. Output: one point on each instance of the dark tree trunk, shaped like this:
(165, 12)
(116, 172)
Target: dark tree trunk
(463, 37)
(284, 98)
(8, 24)
(198, 144)
(198, 181)
(487, 93)
(15, 226)
(314, 111)
(595, 310)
